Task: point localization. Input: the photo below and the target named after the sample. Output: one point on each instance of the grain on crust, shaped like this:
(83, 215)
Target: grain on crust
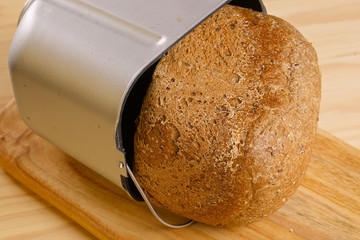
(226, 127)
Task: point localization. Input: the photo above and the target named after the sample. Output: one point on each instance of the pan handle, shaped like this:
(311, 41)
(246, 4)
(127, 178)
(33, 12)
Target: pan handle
(151, 207)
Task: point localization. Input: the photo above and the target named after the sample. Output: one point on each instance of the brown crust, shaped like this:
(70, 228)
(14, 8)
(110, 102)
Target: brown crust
(225, 131)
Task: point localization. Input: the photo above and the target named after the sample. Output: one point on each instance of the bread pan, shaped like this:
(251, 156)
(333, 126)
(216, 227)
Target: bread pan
(80, 69)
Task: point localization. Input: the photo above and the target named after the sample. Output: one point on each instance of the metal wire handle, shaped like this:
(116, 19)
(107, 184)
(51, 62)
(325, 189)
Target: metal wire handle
(151, 207)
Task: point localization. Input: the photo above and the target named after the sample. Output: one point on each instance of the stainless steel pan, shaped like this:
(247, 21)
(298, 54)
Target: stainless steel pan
(80, 69)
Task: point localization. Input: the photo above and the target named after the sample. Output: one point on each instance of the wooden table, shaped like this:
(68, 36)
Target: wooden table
(332, 26)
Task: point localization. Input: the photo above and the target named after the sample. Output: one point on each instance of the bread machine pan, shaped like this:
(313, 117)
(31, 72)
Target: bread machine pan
(80, 69)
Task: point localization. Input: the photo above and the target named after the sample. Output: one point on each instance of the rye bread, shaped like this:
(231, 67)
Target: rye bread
(226, 127)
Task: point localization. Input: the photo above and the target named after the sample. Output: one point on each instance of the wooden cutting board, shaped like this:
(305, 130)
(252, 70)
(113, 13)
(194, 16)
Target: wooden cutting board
(326, 205)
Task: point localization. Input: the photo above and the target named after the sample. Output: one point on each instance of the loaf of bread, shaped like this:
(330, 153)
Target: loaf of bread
(226, 127)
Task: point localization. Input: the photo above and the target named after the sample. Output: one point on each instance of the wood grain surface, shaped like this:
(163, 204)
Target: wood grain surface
(332, 26)
(326, 206)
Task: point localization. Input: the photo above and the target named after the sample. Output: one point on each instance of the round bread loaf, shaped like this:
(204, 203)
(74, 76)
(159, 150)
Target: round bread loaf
(226, 127)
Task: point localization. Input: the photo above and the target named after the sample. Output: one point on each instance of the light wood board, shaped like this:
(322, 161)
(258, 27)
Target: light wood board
(326, 206)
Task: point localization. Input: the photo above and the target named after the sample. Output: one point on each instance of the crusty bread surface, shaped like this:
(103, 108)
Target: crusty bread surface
(226, 127)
